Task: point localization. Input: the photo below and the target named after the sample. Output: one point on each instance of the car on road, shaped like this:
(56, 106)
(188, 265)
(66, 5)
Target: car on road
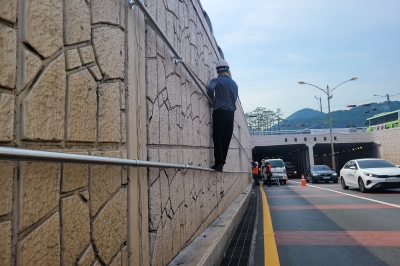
(290, 169)
(318, 173)
(369, 174)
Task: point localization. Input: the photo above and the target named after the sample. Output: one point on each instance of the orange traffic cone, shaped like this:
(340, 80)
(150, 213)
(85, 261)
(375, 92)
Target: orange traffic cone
(303, 181)
(287, 179)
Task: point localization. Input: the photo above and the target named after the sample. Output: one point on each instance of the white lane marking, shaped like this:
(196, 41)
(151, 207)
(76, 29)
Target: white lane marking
(377, 201)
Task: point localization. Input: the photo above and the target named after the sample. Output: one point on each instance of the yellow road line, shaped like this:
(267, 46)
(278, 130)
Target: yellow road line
(270, 251)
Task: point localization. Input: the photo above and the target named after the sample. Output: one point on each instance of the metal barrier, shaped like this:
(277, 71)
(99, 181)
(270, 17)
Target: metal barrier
(300, 131)
(58, 157)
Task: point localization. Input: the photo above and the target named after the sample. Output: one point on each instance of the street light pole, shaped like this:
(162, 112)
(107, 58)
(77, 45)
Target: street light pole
(329, 96)
(320, 108)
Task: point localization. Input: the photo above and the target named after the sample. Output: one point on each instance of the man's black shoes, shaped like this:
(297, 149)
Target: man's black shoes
(217, 167)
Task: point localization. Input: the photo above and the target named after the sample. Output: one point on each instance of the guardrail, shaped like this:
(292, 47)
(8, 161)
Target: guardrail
(303, 131)
(16, 154)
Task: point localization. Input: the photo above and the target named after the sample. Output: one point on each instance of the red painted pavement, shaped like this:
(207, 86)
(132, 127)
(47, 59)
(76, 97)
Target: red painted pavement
(335, 238)
(331, 207)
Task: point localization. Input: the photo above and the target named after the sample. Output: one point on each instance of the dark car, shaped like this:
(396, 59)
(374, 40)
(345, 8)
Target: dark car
(290, 169)
(318, 173)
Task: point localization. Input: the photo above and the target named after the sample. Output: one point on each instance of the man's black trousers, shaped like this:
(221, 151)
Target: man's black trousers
(222, 133)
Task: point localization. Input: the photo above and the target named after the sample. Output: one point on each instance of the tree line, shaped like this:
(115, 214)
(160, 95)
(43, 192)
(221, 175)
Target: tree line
(262, 119)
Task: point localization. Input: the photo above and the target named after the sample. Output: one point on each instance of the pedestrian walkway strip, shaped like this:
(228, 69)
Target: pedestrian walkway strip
(271, 257)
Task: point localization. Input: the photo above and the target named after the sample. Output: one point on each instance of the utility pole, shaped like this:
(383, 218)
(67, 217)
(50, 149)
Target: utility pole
(388, 100)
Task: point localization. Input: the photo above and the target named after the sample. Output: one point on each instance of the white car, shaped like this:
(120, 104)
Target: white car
(370, 174)
(278, 170)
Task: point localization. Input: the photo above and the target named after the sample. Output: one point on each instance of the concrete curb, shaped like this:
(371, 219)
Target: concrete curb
(209, 247)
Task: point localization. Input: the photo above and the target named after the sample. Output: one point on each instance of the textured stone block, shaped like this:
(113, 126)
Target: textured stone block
(117, 260)
(8, 10)
(151, 43)
(42, 246)
(95, 71)
(154, 206)
(6, 117)
(105, 180)
(156, 247)
(106, 11)
(44, 107)
(87, 54)
(44, 30)
(153, 125)
(167, 242)
(32, 65)
(82, 107)
(110, 226)
(123, 127)
(176, 232)
(177, 191)
(123, 96)
(75, 175)
(40, 191)
(151, 79)
(124, 169)
(73, 60)
(109, 113)
(87, 257)
(124, 256)
(84, 195)
(5, 243)
(78, 27)
(153, 172)
(161, 15)
(164, 127)
(161, 75)
(124, 7)
(76, 228)
(8, 52)
(6, 187)
(109, 45)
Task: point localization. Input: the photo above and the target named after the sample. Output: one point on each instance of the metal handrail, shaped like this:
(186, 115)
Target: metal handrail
(58, 157)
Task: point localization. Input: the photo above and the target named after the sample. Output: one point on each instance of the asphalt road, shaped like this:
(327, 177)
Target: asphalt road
(322, 224)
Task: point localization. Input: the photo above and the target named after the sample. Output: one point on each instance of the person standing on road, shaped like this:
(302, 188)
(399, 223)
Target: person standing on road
(268, 173)
(255, 174)
(262, 168)
(223, 91)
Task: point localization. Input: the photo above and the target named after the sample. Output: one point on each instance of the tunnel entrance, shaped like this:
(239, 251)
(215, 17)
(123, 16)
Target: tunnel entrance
(298, 154)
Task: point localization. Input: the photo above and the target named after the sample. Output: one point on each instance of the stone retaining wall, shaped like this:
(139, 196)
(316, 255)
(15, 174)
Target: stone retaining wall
(183, 203)
(90, 78)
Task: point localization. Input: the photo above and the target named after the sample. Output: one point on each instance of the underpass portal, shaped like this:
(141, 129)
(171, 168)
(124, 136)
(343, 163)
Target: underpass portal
(302, 158)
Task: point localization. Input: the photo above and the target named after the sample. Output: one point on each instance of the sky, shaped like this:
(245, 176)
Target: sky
(270, 45)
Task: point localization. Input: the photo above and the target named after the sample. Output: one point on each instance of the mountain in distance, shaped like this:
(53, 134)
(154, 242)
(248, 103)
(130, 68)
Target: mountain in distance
(306, 112)
(353, 117)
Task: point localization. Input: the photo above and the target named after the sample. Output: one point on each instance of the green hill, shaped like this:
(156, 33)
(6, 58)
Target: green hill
(354, 117)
